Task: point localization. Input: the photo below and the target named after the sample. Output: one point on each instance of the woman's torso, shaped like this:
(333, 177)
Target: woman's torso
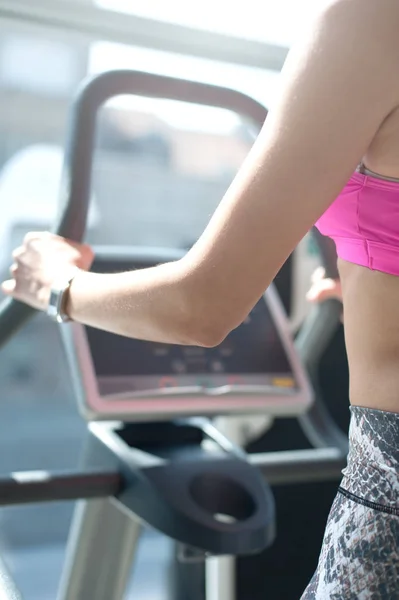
(371, 298)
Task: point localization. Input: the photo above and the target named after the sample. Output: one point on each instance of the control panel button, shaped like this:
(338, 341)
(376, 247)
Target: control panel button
(283, 382)
(204, 382)
(234, 380)
(217, 366)
(179, 366)
(161, 351)
(168, 382)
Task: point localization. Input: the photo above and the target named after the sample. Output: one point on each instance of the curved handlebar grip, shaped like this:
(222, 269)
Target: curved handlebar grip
(13, 316)
(317, 331)
(79, 152)
(75, 189)
(313, 339)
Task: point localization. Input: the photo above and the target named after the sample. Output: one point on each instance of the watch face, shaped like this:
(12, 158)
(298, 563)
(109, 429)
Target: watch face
(52, 309)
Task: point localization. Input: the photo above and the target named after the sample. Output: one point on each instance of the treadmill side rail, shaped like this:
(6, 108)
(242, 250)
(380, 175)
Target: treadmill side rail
(8, 588)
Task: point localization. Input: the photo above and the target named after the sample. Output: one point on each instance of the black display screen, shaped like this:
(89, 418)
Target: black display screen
(253, 348)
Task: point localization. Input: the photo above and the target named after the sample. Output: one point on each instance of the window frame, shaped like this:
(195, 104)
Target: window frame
(95, 23)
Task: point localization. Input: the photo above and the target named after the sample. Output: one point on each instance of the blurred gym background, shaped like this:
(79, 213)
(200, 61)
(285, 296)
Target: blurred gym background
(161, 168)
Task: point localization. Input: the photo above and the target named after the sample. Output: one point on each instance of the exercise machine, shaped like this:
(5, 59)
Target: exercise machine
(256, 369)
(153, 456)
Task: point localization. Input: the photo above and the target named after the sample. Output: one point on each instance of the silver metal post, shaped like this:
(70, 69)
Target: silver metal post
(100, 552)
(220, 571)
(220, 578)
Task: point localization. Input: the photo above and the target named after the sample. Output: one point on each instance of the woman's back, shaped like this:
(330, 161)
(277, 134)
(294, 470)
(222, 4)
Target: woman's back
(371, 313)
(371, 297)
(360, 556)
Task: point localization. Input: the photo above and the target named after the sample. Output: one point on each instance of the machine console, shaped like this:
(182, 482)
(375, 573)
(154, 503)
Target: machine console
(255, 369)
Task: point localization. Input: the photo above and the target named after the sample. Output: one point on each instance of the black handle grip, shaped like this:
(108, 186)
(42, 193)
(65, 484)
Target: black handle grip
(328, 253)
(313, 339)
(79, 152)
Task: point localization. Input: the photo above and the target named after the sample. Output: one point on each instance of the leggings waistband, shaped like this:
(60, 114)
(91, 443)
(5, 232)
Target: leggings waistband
(372, 471)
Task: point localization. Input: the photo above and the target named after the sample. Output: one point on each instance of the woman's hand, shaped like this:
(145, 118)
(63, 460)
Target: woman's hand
(42, 259)
(323, 287)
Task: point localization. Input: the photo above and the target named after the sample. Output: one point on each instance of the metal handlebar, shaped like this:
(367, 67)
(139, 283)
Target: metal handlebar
(313, 339)
(75, 187)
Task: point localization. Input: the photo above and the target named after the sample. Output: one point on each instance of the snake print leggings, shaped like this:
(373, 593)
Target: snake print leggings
(359, 559)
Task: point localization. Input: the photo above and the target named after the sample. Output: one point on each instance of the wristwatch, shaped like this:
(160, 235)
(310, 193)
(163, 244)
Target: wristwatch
(58, 297)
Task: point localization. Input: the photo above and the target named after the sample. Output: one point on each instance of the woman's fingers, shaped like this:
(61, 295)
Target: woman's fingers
(8, 287)
(318, 275)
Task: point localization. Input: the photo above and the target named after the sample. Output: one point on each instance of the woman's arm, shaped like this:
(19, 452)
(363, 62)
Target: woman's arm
(338, 86)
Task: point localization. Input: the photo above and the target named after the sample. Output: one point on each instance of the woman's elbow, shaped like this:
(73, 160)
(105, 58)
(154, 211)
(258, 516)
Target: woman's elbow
(207, 334)
(207, 326)
(201, 325)
(208, 321)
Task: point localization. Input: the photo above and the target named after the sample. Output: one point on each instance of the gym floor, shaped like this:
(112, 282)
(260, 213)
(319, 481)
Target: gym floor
(37, 569)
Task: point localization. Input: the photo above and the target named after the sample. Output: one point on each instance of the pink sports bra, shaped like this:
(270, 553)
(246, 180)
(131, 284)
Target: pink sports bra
(364, 222)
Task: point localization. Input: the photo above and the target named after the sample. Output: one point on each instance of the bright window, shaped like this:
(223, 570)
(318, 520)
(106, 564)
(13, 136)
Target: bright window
(274, 21)
(38, 65)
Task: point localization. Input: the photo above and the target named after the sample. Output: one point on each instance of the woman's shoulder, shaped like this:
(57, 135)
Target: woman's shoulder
(366, 30)
(360, 12)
